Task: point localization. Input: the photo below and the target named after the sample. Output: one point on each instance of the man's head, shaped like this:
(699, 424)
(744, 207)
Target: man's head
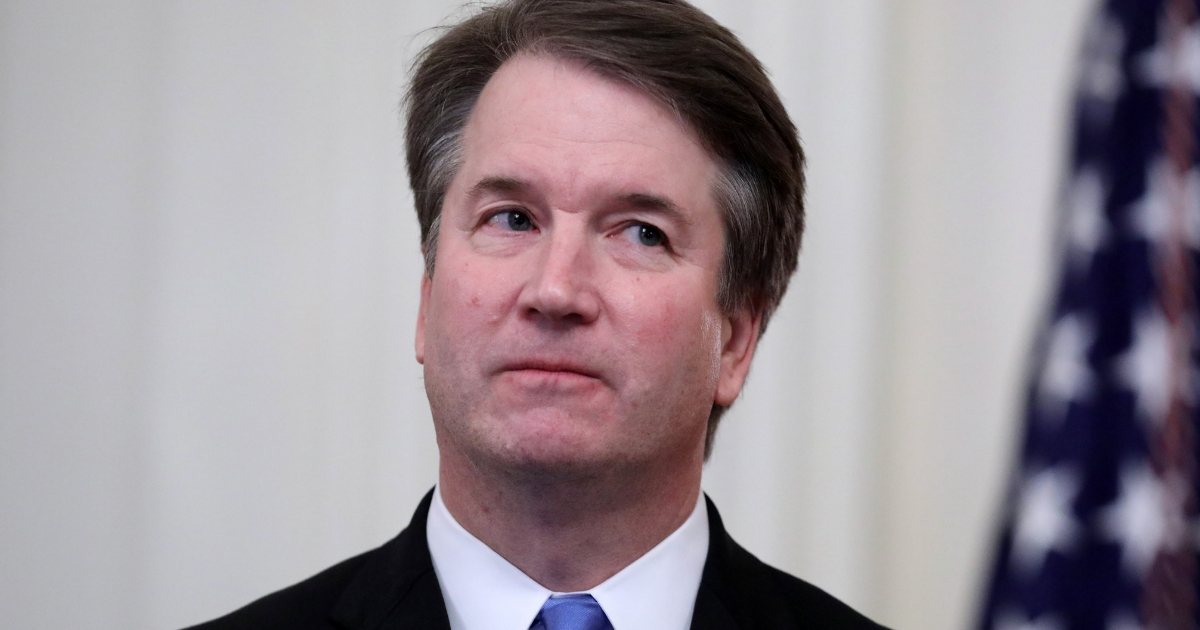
(661, 54)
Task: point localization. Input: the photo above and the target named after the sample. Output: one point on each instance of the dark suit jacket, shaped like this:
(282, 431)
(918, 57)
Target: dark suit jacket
(394, 588)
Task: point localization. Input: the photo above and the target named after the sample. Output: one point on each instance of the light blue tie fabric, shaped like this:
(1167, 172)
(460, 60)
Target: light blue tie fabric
(571, 612)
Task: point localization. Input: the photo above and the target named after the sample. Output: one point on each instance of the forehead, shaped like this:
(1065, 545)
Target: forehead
(561, 126)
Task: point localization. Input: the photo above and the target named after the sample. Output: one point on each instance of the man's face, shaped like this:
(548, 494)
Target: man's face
(571, 321)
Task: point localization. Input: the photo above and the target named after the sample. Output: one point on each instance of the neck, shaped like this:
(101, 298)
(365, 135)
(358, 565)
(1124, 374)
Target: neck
(569, 532)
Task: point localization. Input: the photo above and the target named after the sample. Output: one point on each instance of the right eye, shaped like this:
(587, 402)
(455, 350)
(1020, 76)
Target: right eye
(512, 220)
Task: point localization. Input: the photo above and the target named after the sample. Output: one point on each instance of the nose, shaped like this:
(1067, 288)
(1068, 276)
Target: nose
(562, 287)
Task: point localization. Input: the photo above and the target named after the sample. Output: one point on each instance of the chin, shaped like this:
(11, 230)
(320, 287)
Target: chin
(546, 465)
(550, 445)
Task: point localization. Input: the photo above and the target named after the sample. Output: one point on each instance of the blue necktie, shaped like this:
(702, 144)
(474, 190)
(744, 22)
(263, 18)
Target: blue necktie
(571, 612)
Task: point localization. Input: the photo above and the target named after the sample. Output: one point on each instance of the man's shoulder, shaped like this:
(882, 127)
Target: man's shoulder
(394, 583)
(307, 605)
(817, 608)
(739, 590)
(811, 606)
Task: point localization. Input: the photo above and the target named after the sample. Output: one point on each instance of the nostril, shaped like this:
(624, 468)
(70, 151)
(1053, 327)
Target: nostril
(561, 303)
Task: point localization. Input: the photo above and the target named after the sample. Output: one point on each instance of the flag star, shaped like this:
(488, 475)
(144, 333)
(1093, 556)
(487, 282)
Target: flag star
(1122, 621)
(1065, 376)
(1100, 73)
(1044, 519)
(1086, 228)
(1147, 517)
(1160, 67)
(1146, 366)
(1016, 621)
(1152, 213)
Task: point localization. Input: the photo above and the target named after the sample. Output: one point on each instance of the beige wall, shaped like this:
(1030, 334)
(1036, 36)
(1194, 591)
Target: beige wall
(980, 99)
(208, 272)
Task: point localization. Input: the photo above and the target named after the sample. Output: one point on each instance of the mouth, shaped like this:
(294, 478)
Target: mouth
(550, 373)
(551, 367)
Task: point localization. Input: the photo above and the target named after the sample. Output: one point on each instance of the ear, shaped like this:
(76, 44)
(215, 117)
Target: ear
(420, 343)
(739, 338)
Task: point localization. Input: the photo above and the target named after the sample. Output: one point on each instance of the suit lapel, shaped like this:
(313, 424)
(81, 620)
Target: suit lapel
(735, 590)
(712, 610)
(397, 588)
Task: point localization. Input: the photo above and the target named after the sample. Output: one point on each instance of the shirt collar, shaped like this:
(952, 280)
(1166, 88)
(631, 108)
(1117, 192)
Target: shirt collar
(483, 591)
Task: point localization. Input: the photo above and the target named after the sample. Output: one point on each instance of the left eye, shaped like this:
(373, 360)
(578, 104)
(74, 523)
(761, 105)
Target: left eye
(645, 234)
(514, 220)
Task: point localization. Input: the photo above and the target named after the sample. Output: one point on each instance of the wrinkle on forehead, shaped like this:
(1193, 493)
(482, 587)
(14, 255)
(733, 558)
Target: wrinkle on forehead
(538, 115)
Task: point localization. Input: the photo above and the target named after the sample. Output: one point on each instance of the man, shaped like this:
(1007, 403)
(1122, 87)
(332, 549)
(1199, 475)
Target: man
(610, 198)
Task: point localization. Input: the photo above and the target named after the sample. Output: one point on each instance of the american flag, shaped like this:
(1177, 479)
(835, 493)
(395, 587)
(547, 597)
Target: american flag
(1100, 528)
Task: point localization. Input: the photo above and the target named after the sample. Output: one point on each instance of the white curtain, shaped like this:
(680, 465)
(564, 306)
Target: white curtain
(209, 272)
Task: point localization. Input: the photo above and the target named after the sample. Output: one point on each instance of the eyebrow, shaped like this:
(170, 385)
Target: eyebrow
(656, 204)
(497, 185)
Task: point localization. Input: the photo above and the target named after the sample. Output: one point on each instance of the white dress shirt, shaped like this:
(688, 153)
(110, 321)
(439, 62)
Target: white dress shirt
(483, 591)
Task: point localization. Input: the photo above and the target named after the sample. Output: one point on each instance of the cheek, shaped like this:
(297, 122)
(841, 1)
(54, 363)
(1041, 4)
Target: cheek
(464, 304)
(679, 331)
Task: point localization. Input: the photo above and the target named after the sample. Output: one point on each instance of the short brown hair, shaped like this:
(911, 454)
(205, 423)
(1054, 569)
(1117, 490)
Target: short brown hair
(675, 53)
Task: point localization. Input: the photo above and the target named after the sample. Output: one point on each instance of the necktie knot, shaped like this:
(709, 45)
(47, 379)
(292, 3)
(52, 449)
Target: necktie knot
(571, 612)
